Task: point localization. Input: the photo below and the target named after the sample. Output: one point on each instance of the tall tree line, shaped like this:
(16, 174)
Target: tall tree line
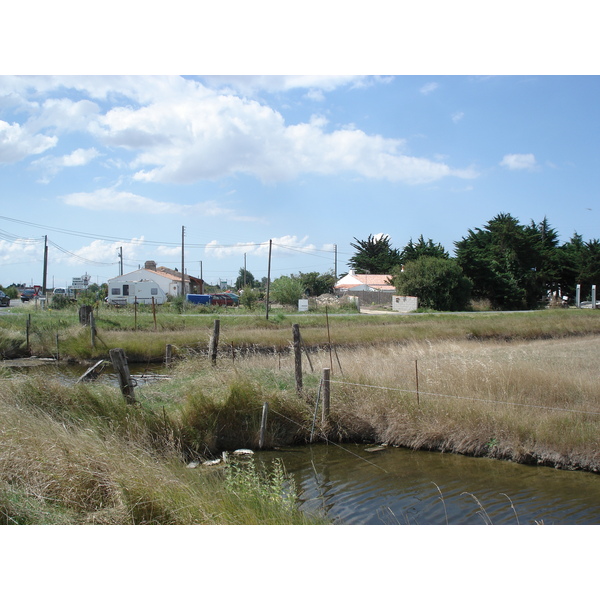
(511, 265)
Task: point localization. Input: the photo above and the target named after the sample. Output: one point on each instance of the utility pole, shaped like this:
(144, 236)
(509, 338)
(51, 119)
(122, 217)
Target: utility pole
(45, 266)
(182, 262)
(201, 279)
(120, 260)
(335, 261)
(269, 277)
(244, 269)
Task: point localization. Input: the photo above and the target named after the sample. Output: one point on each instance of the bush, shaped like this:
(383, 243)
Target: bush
(439, 283)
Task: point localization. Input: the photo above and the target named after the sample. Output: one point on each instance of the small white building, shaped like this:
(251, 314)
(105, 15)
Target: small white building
(405, 303)
(169, 280)
(365, 282)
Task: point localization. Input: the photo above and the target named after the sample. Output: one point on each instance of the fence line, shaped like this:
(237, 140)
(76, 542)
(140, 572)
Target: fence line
(585, 412)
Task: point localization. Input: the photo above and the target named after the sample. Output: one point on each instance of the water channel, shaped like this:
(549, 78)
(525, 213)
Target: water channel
(370, 485)
(403, 487)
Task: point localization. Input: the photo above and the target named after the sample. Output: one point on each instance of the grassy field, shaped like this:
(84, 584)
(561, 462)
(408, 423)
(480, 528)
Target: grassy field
(519, 386)
(144, 339)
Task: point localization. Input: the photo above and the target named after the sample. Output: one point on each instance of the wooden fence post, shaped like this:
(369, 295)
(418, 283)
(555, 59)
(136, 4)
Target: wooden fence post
(326, 394)
(119, 361)
(93, 329)
(263, 425)
(297, 356)
(214, 342)
(154, 312)
(168, 355)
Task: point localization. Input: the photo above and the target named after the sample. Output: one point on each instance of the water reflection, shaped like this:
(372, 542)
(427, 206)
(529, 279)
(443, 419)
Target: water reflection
(399, 486)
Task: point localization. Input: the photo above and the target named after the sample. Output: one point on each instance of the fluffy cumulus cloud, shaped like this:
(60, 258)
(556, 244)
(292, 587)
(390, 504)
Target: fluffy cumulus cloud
(209, 136)
(179, 130)
(517, 162)
(20, 252)
(286, 244)
(18, 142)
(113, 199)
(51, 165)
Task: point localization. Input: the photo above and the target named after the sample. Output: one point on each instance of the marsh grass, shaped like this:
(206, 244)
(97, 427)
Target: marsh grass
(246, 331)
(76, 455)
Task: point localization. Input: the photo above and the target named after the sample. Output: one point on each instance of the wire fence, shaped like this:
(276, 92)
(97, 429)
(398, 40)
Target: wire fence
(489, 401)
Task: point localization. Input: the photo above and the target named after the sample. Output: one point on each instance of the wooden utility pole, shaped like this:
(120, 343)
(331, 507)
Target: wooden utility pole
(335, 261)
(269, 277)
(45, 266)
(297, 356)
(182, 262)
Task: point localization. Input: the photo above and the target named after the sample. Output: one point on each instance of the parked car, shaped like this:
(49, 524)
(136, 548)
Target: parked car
(28, 294)
(224, 299)
(60, 292)
(4, 299)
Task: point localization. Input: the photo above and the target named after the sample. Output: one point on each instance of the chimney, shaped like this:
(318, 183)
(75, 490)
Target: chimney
(150, 265)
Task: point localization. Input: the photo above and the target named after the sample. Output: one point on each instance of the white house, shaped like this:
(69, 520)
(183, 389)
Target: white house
(364, 282)
(169, 280)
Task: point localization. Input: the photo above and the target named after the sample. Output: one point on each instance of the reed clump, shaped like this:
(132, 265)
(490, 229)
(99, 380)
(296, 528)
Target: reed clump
(79, 454)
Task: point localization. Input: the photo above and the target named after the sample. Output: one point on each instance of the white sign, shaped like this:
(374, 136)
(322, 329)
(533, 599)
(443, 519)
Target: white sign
(302, 305)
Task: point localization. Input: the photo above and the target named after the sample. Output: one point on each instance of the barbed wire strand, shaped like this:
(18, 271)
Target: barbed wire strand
(585, 412)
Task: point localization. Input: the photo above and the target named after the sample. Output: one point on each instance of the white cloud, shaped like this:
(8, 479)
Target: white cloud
(429, 87)
(215, 136)
(17, 142)
(287, 244)
(315, 95)
(112, 199)
(251, 84)
(21, 251)
(457, 116)
(53, 164)
(516, 162)
(178, 130)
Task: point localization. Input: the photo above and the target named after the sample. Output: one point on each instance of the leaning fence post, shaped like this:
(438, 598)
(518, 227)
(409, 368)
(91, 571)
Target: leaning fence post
(119, 361)
(214, 342)
(263, 425)
(297, 356)
(326, 394)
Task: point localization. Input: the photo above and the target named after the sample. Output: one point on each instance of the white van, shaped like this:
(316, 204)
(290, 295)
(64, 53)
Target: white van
(131, 292)
(59, 292)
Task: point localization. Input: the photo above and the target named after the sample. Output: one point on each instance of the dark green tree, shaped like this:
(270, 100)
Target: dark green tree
(438, 283)
(315, 284)
(413, 251)
(511, 265)
(245, 278)
(374, 255)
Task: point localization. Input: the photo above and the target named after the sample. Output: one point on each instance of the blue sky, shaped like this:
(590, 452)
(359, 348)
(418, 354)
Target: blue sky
(97, 163)
(467, 126)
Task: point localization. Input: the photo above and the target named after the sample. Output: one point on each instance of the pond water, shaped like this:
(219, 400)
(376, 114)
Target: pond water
(397, 486)
(351, 484)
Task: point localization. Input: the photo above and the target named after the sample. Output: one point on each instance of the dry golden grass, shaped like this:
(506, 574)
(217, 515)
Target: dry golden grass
(532, 401)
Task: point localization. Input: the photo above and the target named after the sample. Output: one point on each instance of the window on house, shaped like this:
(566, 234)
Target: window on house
(154, 291)
(125, 290)
(115, 291)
